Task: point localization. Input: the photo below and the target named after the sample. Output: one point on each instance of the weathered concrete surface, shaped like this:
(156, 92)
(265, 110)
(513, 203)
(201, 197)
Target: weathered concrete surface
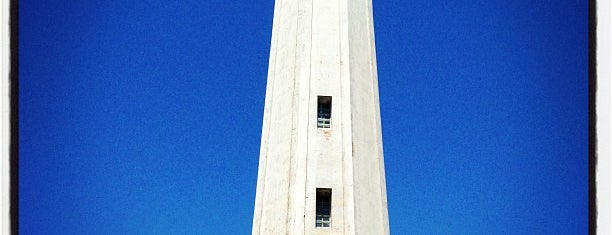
(321, 48)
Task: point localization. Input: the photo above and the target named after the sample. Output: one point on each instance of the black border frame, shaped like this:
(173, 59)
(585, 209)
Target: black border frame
(14, 116)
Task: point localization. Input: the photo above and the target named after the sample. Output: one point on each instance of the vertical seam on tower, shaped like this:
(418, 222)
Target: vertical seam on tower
(371, 57)
(293, 116)
(341, 129)
(308, 113)
(349, 125)
(275, 44)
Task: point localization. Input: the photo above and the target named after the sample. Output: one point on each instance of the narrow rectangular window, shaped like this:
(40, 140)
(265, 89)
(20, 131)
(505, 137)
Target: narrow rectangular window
(324, 112)
(323, 208)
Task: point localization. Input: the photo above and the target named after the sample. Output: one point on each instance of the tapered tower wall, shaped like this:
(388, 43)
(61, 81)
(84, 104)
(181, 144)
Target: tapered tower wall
(368, 165)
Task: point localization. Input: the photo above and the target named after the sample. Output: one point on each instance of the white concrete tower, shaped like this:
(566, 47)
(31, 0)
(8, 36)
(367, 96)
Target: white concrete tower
(321, 165)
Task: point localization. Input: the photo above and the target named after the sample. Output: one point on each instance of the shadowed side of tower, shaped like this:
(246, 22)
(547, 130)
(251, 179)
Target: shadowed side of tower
(321, 167)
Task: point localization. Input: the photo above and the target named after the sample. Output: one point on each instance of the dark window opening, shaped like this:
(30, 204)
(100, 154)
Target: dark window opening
(323, 219)
(324, 112)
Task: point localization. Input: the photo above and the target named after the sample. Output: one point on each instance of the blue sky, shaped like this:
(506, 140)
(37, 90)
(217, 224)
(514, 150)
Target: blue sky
(144, 117)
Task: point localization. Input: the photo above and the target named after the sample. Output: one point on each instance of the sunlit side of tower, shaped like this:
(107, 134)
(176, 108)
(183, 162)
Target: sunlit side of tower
(321, 168)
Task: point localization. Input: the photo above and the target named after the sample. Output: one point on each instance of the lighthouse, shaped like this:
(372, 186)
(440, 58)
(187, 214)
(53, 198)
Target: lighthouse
(321, 166)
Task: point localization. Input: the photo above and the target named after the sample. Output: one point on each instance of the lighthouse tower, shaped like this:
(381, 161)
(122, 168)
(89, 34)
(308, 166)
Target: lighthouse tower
(321, 168)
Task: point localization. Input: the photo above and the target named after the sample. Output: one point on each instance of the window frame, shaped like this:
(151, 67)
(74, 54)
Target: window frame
(324, 103)
(323, 207)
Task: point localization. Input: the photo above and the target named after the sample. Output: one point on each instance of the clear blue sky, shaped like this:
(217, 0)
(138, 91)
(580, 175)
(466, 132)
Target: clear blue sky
(144, 117)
